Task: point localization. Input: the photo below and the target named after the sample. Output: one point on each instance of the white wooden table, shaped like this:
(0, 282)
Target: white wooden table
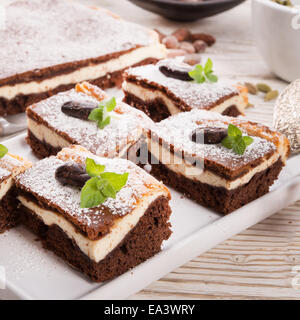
(259, 262)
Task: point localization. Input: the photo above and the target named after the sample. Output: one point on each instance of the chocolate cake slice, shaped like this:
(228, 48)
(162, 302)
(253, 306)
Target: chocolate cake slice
(10, 166)
(220, 162)
(50, 45)
(62, 120)
(166, 89)
(101, 241)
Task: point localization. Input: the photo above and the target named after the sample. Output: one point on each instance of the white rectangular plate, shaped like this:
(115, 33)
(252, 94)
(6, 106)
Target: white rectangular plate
(34, 273)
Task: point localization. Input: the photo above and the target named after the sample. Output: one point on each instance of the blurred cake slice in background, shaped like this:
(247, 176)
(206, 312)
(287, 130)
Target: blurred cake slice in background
(166, 89)
(47, 46)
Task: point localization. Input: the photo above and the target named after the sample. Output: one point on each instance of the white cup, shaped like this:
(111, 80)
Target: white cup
(277, 34)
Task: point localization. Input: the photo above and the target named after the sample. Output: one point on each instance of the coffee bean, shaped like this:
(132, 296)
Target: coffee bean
(182, 34)
(77, 109)
(172, 53)
(175, 69)
(160, 35)
(72, 174)
(208, 135)
(192, 59)
(187, 47)
(209, 39)
(199, 45)
(170, 42)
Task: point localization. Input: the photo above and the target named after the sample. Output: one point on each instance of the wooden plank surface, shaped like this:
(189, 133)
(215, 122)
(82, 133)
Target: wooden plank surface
(259, 262)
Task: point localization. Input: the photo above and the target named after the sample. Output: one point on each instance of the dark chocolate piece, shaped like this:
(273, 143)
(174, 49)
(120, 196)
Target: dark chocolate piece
(208, 135)
(175, 69)
(72, 174)
(77, 109)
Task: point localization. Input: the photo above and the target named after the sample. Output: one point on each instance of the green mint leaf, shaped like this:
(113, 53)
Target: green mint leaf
(233, 131)
(199, 68)
(3, 151)
(228, 142)
(96, 114)
(200, 79)
(193, 74)
(239, 146)
(212, 77)
(91, 196)
(208, 66)
(104, 123)
(106, 188)
(101, 186)
(247, 140)
(101, 113)
(236, 141)
(110, 105)
(201, 74)
(118, 181)
(92, 168)
(197, 74)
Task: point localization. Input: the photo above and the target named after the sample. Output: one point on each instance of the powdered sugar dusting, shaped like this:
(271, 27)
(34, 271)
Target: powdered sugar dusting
(195, 95)
(124, 130)
(177, 129)
(66, 199)
(45, 33)
(11, 164)
(4, 174)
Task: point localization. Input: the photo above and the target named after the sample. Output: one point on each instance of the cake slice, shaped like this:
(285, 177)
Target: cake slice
(50, 45)
(220, 162)
(166, 89)
(102, 241)
(62, 120)
(10, 166)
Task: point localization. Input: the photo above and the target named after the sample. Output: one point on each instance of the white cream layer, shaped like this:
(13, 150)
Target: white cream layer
(176, 164)
(96, 250)
(5, 186)
(52, 138)
(149, 95)
(47, 135)
(156, 51)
